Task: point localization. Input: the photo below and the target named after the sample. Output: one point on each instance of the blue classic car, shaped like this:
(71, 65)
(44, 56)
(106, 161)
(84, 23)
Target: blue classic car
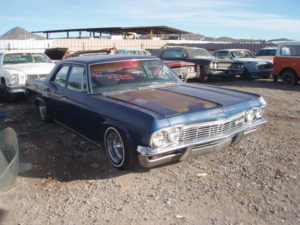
(140, 112)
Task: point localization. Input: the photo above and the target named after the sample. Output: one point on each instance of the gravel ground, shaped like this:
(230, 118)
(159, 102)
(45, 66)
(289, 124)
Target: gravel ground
(66, 180)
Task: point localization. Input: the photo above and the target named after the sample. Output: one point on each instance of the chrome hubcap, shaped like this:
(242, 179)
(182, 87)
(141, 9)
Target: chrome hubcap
(114, 147)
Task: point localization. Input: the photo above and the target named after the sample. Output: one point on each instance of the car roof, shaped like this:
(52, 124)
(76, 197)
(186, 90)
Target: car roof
(289, 43)
(267, 48)
(21, 51)
(232, 49)
(131, 49)
(93, 59)
(183, 47)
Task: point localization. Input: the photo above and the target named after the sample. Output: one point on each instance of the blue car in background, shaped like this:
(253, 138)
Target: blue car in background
(140, 112)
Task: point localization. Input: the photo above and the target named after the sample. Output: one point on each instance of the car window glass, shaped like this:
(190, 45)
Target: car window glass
(290, 51)
(16, 58)
(40, 58)
(173, 53)
(76, 79)
(130, 75)
(61, 76)
(221, 54)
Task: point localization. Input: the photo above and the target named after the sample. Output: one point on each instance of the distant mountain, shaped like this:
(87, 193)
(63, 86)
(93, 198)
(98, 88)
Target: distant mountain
(279, 40)
(18, 33)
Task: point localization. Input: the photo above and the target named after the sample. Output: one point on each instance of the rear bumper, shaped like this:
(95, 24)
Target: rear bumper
(148, 158)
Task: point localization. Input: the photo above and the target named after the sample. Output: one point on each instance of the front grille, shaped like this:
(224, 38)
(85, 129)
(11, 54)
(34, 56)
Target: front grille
(36, 76)
(223, 65)
(265, 66)
(202, 131)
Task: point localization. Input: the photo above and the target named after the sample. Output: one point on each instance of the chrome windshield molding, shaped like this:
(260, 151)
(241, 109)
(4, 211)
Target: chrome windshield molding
(149, 152)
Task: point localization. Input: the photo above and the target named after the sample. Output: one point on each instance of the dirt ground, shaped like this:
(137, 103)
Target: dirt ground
(66, 180)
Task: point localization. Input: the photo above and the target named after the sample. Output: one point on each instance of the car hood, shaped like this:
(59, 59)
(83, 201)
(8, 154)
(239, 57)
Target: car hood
(180, 99)
(32, 68)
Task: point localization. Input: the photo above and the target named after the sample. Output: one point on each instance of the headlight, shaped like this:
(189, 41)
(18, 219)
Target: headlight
(259, 113)
(191, 69)
(255, 113)
(165, 137)
(174, 134)
(250, 115)
(262, 101)
(158, 138)
(14, 79)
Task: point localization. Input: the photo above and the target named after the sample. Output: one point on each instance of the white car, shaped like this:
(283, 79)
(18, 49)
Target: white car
(18, 66)
(254, 67)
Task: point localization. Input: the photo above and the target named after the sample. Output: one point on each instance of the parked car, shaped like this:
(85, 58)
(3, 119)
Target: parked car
(206, 64)
(287, 62)
(184, 70)
(140, 112)
(17, 67)
(253, 67)
(266, 53)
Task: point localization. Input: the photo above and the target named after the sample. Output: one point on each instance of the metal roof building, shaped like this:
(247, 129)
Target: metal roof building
(142, 30)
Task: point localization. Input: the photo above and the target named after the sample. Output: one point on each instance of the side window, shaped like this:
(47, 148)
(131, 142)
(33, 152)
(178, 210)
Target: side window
(290, 51)
(173, 53)
(76, 80)
(61, 76)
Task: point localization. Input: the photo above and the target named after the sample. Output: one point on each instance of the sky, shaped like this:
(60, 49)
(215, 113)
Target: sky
(242, 19)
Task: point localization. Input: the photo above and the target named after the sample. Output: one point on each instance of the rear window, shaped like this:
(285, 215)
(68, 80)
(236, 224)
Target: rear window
(290, 50)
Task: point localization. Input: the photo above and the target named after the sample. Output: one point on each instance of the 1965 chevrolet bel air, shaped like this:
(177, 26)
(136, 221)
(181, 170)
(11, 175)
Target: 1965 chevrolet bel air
(140, 112)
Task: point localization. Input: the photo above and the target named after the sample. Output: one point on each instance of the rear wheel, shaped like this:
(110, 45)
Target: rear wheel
(119, 151)
(289, 77)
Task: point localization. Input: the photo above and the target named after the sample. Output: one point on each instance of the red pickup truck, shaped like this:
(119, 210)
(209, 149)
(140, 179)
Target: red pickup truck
(286, 63)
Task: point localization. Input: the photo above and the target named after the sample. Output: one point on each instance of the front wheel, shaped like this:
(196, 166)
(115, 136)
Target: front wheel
(118, 149)
(246, 75)
(289, 77)
(5, 94)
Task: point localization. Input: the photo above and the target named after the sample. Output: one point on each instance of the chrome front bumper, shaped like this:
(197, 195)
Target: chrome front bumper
(16, 89)
(149, 158)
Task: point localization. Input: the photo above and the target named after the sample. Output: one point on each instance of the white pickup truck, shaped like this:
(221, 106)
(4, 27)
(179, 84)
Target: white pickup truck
(18, 66)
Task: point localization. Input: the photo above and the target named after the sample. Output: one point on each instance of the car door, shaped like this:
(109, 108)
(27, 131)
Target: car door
(74, 99)
(55, 92)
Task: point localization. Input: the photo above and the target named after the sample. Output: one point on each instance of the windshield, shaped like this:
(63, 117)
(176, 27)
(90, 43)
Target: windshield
(241, 54)
(199, 53)
(118, 76)
(17, 58)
